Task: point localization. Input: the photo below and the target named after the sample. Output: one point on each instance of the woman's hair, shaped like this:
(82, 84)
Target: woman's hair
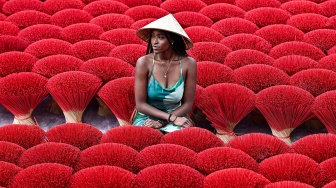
(178, 45)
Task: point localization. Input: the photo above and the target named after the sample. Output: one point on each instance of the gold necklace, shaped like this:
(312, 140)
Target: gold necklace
(169, 62)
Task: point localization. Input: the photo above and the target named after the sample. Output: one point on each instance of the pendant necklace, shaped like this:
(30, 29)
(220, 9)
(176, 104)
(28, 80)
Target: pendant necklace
(169, 62)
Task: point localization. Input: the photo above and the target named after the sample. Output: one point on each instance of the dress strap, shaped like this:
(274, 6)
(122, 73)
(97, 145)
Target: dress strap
(153, 64)
(178, 57)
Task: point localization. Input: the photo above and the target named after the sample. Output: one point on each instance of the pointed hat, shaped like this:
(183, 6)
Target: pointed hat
(166, 23)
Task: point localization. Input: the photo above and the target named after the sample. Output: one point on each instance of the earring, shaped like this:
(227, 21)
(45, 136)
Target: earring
(172, 43)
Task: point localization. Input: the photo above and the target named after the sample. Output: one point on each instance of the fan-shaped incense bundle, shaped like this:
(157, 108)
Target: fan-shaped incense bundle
(284, 108)
(225, 105)
(260, 146)
(107, 69)
(324, 108)
(20, 93)
(55, 64)
(136, 137)
(103, 176)
(118, 95)
(73, 91)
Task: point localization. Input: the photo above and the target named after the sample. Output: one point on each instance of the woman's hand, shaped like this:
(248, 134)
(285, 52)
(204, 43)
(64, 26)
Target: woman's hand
(152, 123)
(184, 122)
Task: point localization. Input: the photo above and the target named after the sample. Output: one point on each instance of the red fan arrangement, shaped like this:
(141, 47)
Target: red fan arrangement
(308, 21)
(235, 177)
(174, 6)
(197, 139)
(324, 108)
(166, 153)
(7, 173)
(300, 7)
(203, 34)
(12, 43)
(48, 47)
(328, 62)
(328, 168)
(107, 69)
(174, 175)
(40, 31)
(189, 19)
(258, 76)
(43, 175)
(225, 105)
(118, 95)
(7, 28)
(319, 147)
(25, 136)
(10, 152)
(260, 146)
(11, 7)
(136, 137)
(20, 93)
(50, 152)
(292, 167)
(121, 52)
(102, 176)
(52, 6)
(279, 33)
(108, 154)
(78, 32)
(231, 26)
(145, 11)
(265, 16)
(219, 158)
(292, 64)
(288, 184)
(68, 17)
(28, 18)
(221, 10)
(55, 64)
(242, 57)
(121, 36)
(15, 62)
(209, 73)
(285, 108)
(97, 8)
(80, 135)
(247, 41)
(315, 81)
(73, 91)
(296, 48)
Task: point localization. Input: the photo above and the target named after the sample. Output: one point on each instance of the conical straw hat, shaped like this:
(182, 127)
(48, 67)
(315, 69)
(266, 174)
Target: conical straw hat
(166, 23)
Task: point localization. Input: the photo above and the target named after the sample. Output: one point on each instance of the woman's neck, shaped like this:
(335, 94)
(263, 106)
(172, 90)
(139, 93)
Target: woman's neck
(166, 55)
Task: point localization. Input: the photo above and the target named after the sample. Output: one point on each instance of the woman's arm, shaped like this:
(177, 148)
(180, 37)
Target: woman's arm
(140, 89)
(189, 89)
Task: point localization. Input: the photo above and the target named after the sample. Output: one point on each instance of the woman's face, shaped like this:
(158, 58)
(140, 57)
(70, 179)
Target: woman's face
(159, 41)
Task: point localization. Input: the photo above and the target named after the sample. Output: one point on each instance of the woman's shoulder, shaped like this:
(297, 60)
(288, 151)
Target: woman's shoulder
(188, 60)
(144, 60)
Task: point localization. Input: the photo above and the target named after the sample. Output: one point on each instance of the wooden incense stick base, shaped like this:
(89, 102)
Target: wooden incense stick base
(73, 116)
(225, 136)
(123, 122)
(25, 119)
(283, 135)
(103, 110)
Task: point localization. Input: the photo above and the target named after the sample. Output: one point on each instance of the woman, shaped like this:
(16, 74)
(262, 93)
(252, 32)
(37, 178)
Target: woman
(165, 78)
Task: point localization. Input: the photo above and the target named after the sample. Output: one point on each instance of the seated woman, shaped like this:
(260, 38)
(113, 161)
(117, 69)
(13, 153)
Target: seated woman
(165, 78)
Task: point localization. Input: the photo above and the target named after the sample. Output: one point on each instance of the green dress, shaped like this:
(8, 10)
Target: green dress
(162, 98)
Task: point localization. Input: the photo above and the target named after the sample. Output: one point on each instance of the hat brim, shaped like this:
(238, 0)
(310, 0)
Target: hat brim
(144, 35)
